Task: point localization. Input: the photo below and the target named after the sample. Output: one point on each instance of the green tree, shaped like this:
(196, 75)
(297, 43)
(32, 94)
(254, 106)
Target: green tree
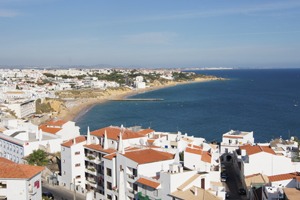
(37, 157)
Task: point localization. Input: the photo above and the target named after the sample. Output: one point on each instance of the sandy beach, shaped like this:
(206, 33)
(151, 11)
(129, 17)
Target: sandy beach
(78, 107)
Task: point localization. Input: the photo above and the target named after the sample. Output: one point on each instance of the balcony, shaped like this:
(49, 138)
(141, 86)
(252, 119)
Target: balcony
(90, 158)
(131, 176)
(91, 170)
(92, 182)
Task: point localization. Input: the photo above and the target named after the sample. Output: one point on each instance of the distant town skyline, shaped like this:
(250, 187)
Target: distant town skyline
(155, 34)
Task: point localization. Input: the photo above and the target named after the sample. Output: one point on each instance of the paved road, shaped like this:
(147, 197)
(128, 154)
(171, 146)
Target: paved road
(233, 183)
(60, 193)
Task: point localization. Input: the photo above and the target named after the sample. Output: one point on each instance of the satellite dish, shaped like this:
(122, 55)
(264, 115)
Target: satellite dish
(142, 141)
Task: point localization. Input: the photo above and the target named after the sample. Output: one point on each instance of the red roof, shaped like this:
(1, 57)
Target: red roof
(110, 156)
(52, 126)
(113, 133)
(98, 147)
(206, 157)
(9, 169)
(195, 146)
(149, 183)
(55, 123)
(194, 151)
(281, 177)
(144, 156)
(78, 139)
(257, 149)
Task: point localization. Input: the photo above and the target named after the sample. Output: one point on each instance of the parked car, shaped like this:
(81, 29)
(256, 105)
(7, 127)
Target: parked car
(227, 195)
(49, 195)
(242, 191)
(224, 178)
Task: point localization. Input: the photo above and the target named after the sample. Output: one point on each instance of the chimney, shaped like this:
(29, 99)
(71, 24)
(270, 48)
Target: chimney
(195, 191)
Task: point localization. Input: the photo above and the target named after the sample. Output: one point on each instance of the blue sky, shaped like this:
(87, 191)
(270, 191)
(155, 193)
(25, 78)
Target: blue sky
(153, 33)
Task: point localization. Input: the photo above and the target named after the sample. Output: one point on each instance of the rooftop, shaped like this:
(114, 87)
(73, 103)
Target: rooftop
(257, 149)
(190, 194)
(147, 182)
(78, 140)
(52, 126)
(281, 177)
(236, 134)
(9, 169)
(98, 147)
(113, 133)
(143, 156)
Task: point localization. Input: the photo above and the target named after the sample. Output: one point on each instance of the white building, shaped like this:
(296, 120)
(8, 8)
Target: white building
(262, 159)
(139, 82)
(73, 165)
(66, 130)
(17, 143)
(18, 181)
(21, 138)
(232, 140)
(23, 109)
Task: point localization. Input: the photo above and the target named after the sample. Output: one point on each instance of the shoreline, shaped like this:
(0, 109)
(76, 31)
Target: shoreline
(76, 108)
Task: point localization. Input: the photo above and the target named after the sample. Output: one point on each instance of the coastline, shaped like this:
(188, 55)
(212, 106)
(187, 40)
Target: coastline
(78, 107)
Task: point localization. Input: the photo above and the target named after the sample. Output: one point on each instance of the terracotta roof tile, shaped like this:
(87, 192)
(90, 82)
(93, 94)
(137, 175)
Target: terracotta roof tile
(55, 122)
(47, 129)
(148, 182)
(195, 146)
(52, 126)
(78, 139)
(146, 131)
(194, 151)
(281, 177)
(110, 156)
(257, 149)
(9, 169)
(113, 133)
(98, 147)
(206, 157)
(143, 156)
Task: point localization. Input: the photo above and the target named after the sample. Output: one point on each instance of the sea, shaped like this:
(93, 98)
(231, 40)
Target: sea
(265, 101)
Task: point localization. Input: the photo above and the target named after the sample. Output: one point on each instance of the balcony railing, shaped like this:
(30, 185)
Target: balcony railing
(91, 170)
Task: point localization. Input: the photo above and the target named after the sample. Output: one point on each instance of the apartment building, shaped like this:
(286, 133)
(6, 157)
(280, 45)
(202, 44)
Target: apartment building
(22, 108)
(73, 165)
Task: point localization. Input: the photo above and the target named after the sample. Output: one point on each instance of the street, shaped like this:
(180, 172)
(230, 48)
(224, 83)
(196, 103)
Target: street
(61, 193)
(233, 183)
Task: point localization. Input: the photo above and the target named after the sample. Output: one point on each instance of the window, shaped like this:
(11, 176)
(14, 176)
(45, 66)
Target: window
(108, 185)
(77, 153)
(77, 177)
(108, 172)
(134, 172)
(3, 184)
(109, 196)
(135, 187)
(77, 165)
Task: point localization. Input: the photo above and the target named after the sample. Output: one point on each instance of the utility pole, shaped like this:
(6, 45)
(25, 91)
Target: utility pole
(74, 194)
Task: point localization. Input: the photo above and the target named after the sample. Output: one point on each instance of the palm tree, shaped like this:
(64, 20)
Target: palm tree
(37, 157)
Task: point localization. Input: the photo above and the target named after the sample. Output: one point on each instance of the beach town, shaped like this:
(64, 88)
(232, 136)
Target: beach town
(43, 151)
